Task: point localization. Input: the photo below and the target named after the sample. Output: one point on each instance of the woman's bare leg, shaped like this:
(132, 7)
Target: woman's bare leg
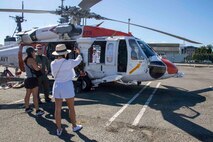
(35, 97)
(58, 104)
(70, 104)
(27, 98)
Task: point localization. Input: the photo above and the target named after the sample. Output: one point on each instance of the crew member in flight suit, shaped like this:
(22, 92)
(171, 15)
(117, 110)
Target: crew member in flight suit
(43, 80)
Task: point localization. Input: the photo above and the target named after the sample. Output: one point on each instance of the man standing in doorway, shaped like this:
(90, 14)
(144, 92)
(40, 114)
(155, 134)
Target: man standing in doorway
(43, 80)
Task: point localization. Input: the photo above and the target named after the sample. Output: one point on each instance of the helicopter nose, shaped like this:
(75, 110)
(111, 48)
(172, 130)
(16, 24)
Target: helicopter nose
(171, 68)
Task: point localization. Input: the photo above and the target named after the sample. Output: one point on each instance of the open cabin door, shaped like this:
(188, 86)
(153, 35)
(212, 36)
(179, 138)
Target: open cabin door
(96, 59)
(102, 57)
(110, 67)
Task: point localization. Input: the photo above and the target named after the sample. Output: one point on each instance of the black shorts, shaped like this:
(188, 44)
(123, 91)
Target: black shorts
(30, 83)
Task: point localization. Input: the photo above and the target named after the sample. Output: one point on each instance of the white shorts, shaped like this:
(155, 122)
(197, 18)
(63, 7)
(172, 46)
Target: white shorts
(63, 90)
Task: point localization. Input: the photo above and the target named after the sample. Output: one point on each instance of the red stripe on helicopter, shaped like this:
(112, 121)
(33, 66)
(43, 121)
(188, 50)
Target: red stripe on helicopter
(171, 68)
(90, 31)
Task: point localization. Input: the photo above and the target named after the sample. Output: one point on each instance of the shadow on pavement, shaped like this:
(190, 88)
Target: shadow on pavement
(173, 99)
(50, 126)
(169, 100)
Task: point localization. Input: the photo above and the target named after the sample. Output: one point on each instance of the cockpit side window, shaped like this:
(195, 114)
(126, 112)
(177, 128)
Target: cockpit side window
(136, 53)
(146, 49)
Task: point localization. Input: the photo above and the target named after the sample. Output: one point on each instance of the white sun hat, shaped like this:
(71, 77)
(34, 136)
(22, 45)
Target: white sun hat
(61, 49)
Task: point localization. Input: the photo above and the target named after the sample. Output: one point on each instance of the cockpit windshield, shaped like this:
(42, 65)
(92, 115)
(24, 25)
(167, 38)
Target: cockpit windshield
(146, 48)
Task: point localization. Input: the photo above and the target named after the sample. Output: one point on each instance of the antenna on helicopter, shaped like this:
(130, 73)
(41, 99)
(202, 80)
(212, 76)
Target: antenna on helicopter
(129, 25)
(19, 20)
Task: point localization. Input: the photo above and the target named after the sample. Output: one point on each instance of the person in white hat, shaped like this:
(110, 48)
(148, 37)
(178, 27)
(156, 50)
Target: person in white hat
(63, 72)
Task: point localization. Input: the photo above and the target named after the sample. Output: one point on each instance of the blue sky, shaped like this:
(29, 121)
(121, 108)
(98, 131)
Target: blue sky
(192, 19)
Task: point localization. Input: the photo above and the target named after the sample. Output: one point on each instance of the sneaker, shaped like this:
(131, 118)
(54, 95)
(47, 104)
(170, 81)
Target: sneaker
(39, 112)
(28, 110)
(59, 132)
(77, 128)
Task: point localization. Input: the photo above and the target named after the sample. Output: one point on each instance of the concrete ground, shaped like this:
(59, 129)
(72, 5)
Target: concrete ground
(171, 110)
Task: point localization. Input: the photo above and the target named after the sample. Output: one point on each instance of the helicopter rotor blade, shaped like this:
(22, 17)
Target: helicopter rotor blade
(28, 11)
(162, 32)
(87, 4)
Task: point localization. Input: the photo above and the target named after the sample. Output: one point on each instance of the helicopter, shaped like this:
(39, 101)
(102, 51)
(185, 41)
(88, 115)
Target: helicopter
(108, 55)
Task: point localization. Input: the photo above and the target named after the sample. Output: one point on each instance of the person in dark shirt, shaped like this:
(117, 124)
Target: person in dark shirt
(43, 80)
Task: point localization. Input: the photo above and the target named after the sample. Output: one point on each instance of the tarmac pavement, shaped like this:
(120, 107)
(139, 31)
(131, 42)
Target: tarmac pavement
(170, 110)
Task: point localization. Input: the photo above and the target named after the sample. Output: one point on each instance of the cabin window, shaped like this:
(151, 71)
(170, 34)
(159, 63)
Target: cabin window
(97, 52)
(110, 53)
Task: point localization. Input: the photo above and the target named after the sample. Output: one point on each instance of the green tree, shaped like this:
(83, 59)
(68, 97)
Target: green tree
(203, 53)
(209, 48)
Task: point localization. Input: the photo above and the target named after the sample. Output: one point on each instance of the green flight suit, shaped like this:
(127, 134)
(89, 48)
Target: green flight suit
(43, 80)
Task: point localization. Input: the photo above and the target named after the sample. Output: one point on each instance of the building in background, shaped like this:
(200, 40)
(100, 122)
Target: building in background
(174, 52)
(189, 50)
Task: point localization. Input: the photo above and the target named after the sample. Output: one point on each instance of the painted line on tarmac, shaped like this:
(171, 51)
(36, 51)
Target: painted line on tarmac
(22, 100)
(126, 105)
(15, 102)
(141, 113)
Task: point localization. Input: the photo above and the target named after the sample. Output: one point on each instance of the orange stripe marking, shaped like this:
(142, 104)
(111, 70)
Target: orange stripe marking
(135, 68)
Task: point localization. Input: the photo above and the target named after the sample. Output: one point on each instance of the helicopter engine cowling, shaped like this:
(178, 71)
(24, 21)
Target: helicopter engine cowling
(68, 29)
(50, 33)
(61, 29)
(38, 35)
